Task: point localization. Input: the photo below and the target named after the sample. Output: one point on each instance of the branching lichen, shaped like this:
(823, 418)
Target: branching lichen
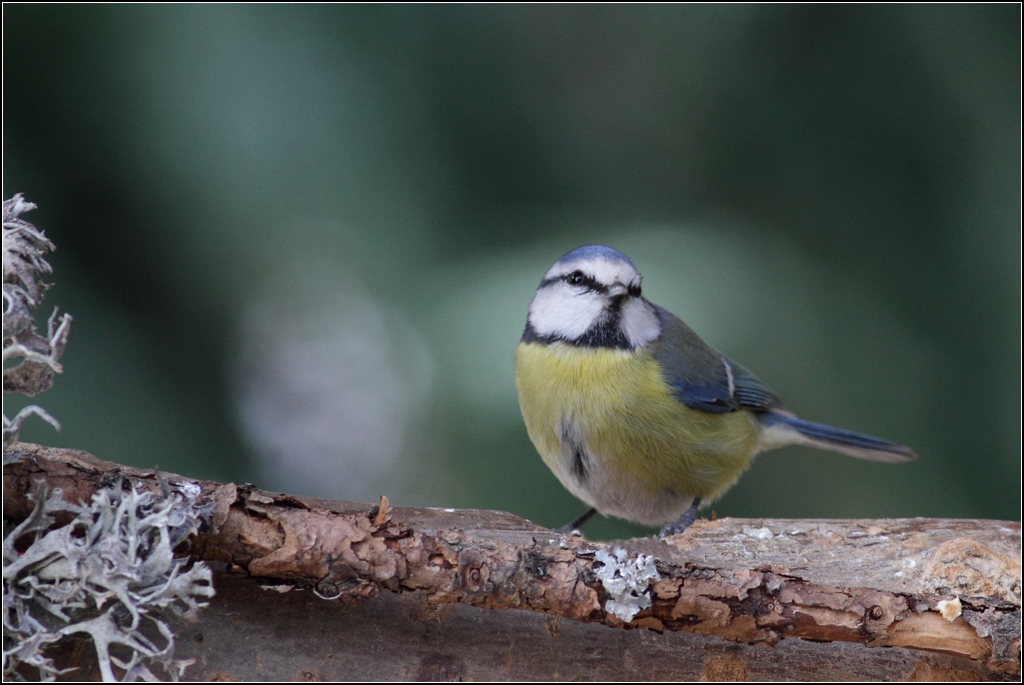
(110, 573)
(30, 359)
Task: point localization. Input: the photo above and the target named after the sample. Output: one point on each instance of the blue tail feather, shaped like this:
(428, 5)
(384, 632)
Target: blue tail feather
(848, 442)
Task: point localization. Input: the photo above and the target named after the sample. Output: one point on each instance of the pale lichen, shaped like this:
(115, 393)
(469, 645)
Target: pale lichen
(111, 573)
(627, 581)
(30, 359)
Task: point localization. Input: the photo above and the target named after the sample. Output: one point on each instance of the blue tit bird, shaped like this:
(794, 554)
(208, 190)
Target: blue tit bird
(633, 412)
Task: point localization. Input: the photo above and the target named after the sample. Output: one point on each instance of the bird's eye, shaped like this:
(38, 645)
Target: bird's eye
(575, 278)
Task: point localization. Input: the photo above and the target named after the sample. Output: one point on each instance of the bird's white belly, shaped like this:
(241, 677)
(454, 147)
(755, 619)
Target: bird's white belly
(595, 479)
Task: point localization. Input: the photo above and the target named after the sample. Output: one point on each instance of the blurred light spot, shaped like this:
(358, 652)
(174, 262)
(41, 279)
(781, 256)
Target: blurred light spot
(326, 384)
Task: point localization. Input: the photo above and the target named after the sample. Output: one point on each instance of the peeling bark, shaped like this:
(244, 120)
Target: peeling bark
(754, 584)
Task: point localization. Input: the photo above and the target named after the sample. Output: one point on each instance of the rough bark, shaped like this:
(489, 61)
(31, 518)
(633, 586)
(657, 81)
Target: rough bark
(941, 596)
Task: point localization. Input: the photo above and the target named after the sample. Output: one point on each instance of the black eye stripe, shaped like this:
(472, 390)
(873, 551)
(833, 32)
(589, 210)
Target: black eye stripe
(578, 278)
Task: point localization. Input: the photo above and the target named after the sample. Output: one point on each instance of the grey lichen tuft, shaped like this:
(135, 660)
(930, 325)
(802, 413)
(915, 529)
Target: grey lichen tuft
(30, 359)
(110, 573)
(627, 581)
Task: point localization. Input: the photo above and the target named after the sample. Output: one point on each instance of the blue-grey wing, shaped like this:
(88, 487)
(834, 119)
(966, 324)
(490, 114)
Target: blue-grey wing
(750, 391)
(703, 378)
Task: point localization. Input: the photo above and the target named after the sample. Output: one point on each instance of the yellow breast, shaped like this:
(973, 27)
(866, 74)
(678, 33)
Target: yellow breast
(644, 440)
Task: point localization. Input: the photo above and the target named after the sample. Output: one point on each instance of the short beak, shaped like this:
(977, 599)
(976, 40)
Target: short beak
(617, 293)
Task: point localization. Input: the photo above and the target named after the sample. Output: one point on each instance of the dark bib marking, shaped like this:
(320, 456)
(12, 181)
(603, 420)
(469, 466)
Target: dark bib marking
(572, 446)
(579, 464)
(605, 334)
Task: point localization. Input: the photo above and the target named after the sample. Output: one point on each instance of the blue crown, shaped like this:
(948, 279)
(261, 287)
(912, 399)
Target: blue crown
(593, 252)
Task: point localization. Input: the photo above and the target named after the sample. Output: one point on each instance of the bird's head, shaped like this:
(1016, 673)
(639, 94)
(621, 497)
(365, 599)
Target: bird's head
(591, 298)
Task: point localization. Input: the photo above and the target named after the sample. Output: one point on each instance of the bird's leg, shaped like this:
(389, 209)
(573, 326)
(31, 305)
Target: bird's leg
(577, 522)
(684, 522)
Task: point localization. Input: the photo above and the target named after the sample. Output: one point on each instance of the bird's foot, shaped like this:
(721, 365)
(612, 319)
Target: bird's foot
(577, 522)
(684, 522)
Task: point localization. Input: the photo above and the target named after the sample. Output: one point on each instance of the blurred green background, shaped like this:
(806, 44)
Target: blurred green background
(299, 242)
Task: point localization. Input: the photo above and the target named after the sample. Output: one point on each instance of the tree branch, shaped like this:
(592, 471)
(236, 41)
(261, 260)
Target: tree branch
(943, 594)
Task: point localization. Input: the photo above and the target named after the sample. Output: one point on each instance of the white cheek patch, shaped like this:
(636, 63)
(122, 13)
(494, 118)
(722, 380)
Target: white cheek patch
(560, 310)
(638, 322)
